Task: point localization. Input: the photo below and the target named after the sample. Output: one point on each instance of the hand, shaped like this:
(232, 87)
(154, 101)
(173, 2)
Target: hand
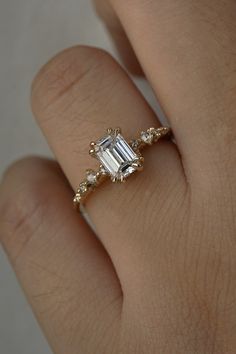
(161, 275)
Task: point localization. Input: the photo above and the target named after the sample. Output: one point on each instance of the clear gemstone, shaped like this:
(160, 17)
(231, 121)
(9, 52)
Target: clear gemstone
(147, 137)
(135, 144)
(92, 177)
(83, 188)
(116, 156)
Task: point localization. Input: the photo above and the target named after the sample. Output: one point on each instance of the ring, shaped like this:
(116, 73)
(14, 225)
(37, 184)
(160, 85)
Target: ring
(118, 158)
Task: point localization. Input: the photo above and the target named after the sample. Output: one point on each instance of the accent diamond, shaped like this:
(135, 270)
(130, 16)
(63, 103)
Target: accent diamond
(82, 187)
(147, 137)
(91, 177)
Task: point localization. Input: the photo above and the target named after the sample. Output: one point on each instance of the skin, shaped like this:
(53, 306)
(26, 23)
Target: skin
(160, 277)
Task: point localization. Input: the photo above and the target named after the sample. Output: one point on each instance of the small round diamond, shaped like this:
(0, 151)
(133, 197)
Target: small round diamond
(83, 188)
(146, 137)
(135, 144)
(92, 177)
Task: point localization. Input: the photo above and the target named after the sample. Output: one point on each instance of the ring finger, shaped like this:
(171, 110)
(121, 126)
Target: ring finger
(75, 97)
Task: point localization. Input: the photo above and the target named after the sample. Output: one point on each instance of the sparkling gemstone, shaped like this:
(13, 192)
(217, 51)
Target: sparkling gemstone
(135, 144)
(116, 156)
(92, 177)
(82, 188)
(147, 137)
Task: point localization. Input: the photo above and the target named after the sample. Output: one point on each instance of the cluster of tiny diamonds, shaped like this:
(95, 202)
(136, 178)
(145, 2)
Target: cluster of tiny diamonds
(149, 136)
(92, 180)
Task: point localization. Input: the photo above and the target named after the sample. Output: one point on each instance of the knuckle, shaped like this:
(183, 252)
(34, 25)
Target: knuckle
(65, 74)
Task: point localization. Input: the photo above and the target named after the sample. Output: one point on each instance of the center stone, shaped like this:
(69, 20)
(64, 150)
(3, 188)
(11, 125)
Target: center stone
(116, 156)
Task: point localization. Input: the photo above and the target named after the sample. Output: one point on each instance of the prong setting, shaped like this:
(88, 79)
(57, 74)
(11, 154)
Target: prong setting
(92, 152)
(117, 131)
(102, 171)
(138, 164)
(109, 131)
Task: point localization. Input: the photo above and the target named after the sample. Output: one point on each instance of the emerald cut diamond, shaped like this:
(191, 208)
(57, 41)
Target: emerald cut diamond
(116, 156)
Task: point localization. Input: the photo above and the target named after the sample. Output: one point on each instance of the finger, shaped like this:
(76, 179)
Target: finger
(75, 97)
(114, 27)
(186, 49)
(65, 272)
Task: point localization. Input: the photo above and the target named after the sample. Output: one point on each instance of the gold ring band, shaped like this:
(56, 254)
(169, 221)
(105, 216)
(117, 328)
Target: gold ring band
(118, 158)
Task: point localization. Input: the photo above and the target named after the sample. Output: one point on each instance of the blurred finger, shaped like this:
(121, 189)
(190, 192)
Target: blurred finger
(64, 270)
(121, 41)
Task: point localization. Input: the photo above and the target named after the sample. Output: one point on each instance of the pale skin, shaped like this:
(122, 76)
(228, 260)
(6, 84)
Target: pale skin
(161, 275)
